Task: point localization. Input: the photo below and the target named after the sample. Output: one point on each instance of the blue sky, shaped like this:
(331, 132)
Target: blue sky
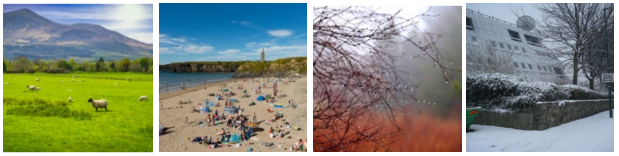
(230, 32)
(132, 20)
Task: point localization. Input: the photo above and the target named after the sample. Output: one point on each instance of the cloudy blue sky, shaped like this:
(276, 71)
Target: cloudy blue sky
(132, 20)
(230, 32)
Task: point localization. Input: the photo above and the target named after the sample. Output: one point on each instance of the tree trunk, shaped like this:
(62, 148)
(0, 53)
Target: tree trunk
(575, 75)
(591, 83)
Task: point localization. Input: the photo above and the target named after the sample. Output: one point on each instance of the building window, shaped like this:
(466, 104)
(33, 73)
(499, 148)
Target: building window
(474, 38)
(523, 50)
(545, 68)
(493, 44)
(514, 35)
(469, 23)
(532, 40)
(501, 44)
(539, 68)
(530, 66)
(516, 47)
(509, 47)
(523, 67)
(516, 64)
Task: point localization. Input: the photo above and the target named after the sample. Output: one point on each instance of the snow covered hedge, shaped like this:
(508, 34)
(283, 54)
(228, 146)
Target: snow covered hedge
(496, 91)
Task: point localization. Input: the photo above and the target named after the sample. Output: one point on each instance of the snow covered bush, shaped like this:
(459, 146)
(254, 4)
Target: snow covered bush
(498, 91)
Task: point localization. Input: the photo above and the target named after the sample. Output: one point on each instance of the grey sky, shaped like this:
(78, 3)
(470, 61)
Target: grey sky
(504, 12)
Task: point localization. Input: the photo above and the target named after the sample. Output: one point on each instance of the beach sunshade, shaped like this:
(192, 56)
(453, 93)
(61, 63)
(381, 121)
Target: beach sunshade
(260, 98)
(210, 104)
(206, 109)
(225, 89)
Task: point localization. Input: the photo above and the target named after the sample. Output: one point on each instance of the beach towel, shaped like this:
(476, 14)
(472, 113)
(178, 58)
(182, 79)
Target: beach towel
(280, 105)
(231, 110)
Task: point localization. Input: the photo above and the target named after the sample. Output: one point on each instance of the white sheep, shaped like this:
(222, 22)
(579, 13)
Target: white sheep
(37, 79)
(98, 104)
(8, 83)
(115, 84)
(70, 100)
(72, 80)
(37, 89)
(143, 98)
(32, 88)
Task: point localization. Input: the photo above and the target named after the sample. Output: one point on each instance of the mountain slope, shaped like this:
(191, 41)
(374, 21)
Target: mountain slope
(29, 34)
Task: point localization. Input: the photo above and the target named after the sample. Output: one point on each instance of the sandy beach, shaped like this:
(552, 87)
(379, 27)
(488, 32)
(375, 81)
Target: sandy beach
(183, 123)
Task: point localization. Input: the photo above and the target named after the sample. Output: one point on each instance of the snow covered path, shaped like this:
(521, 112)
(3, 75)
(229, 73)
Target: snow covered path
(591, 134)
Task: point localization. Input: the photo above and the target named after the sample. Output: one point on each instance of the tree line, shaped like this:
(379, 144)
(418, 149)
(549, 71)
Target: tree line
(21, 64)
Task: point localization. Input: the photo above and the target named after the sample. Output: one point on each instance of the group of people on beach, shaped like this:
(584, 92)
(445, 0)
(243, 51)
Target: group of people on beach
(241, 123)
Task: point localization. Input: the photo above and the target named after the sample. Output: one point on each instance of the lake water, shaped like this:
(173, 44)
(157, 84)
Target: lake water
(172, 81)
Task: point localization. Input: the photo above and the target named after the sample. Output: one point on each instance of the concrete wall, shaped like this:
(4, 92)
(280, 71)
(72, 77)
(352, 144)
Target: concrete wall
(543, 115)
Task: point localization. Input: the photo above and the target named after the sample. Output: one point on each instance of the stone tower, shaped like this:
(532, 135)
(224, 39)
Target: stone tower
(262, 55)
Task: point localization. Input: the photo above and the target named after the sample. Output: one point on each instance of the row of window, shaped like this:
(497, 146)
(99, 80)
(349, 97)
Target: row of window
(509, 47)
(514, 35)
(549, 69)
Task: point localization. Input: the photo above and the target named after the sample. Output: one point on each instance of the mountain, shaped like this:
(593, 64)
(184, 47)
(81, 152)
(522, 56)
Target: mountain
(29, 34)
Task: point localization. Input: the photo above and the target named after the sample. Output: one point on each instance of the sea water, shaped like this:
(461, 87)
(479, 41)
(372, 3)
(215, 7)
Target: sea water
(172, 81)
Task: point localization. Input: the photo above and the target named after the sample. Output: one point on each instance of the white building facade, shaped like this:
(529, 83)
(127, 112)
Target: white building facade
(484, 32)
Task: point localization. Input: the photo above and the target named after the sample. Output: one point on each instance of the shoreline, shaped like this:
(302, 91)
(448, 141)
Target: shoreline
(170, 94)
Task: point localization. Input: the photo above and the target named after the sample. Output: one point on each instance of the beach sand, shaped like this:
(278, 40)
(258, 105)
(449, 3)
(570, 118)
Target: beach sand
(182, 132)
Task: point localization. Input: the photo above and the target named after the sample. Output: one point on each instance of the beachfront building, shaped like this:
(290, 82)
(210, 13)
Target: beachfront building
(528, 55)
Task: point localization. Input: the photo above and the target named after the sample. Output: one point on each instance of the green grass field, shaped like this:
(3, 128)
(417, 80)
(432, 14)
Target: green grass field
(45, 121)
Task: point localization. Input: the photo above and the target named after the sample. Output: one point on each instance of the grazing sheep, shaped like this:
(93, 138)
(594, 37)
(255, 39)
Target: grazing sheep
(32, 88)
(37, 89)
(61, 81)
(143, 98)
(70, 100)
(115, 84)
(37, 79)
(8, 83)
(98, 104)
(72, 80)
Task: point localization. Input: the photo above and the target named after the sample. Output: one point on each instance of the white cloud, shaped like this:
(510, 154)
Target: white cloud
(104, 12)
(260, 44)
(146, 37)
(280, 33)
(229, 51)
(170, 45)
(245, 23)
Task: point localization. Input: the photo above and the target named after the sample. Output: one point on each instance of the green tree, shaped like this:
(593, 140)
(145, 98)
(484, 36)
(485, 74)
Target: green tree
(4, 65)
(144, 64)
(124, 64)
(112, 67)
(22, 64)
(100, 64)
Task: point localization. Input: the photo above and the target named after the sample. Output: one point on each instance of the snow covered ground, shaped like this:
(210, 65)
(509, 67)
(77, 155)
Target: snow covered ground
(591, 134)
